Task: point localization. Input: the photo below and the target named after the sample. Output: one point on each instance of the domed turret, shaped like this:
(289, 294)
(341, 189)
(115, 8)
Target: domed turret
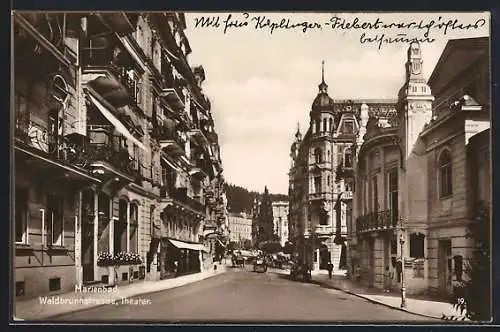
(322, 100)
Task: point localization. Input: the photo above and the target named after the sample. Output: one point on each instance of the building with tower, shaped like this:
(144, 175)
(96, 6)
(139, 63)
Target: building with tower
(321, 179)
(417, 172)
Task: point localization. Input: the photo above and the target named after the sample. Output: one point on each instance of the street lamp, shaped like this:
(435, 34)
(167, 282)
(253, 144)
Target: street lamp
(403, 284)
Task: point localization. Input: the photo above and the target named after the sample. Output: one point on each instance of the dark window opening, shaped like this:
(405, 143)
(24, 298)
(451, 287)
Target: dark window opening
(20, 288)
(124, 276)
(318, 155)
(445, 174)
(348, 159)
(417, 245)
(120, 231)
(393, 196)
(54, 284)
(55, 208)
(317, 184)
(21, 214)
(348, 127)
(134, 224)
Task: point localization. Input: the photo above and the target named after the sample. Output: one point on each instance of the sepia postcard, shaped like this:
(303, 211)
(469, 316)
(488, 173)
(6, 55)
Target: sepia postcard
(248, 168)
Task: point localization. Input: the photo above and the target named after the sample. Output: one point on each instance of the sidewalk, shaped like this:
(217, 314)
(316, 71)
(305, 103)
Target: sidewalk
(33, 309)
(423, 306)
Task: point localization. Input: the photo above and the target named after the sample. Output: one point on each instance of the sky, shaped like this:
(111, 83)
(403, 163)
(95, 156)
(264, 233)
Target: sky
(262, 82)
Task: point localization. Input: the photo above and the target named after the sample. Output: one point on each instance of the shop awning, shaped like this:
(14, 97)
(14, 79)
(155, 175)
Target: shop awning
(115, 122)
(186, 245)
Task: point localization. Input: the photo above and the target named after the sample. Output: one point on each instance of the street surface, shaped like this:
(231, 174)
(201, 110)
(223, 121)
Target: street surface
(245, 296)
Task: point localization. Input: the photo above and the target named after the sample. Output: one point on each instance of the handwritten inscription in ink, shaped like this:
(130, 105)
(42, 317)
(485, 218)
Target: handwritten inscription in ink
(374, 31)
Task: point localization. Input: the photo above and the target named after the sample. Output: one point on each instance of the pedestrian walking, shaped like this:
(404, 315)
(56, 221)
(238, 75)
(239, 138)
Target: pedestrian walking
(387, 279)
(330, 269)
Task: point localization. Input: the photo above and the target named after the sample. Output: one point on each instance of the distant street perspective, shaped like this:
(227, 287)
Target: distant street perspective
(245, 296)
(168, 169)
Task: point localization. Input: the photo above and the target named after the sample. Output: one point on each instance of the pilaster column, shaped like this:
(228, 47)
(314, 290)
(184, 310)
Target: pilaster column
(96, 234)
(111, 270)
(78, 240)
(128, 226)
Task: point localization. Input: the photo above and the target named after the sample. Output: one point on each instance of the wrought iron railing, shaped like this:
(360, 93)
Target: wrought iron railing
(104, 57)
(387, 219)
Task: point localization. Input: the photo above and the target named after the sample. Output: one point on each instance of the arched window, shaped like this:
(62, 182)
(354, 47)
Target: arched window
(318, 125)
(445, 175)
(324, 125)
(318, 155)
(331, 124)
(134, 225)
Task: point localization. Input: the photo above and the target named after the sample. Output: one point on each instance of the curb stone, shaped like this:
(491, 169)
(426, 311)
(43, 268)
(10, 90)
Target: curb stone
(132, 295)
(443, 317)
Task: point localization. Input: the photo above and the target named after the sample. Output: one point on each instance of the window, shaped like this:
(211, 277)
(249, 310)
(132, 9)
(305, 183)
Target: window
(318, 125)
(134, 224)
(324, 125)
(375, 205)
(317, 184)
(120, 231)
(423, 89)
(392, 187)
(328, 180)
(21, 114)
(331, 124)
(417, 245)
(55, 220)
(348, 127)
(347, 158)
(318, 155)
(414, 88)
(445, 175)
(21, 215)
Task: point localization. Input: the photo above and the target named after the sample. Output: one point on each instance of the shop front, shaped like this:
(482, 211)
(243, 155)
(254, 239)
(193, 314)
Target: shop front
(180, 258)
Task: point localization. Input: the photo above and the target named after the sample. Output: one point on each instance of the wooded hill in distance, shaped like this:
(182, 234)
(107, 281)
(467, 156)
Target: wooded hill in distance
(240, 199)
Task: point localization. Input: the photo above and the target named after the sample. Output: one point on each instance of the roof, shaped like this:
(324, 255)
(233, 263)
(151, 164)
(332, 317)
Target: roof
(457, 56)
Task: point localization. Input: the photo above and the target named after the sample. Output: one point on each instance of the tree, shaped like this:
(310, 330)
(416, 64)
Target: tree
(265, 218)
(270, 247)
(473, 296)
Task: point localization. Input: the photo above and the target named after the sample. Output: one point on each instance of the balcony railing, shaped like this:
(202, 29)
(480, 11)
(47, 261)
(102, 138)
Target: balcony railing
(180, 195)
(324, 229)
(105, 57)
(381, 220)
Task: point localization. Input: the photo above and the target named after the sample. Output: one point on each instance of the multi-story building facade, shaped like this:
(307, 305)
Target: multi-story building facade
(321, 178)
(116, 161)
(280, 216)
(421, 173)
(240, 227)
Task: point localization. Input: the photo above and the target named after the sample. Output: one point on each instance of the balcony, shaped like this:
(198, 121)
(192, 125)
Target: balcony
(33, 135)
(107, 149)
(326, 230)
(111, 72)
(170, 139)
(347, 195)
(344, 171)
(172, 92)
(199, 137)
(320, 196)
(180, 195)
(377, 221)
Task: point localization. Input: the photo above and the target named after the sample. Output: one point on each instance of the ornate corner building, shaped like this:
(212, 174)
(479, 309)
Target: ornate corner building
(117, 170)
(372, 181)
(421, 171)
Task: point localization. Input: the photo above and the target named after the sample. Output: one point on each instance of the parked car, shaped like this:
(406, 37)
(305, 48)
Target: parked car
(260, 265)
(300, 272)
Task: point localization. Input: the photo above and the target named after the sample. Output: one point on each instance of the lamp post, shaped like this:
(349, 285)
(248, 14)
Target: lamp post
(403, 284)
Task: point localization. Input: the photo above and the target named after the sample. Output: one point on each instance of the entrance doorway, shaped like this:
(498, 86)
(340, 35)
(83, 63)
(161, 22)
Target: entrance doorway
(444, 266)
(324, 257)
